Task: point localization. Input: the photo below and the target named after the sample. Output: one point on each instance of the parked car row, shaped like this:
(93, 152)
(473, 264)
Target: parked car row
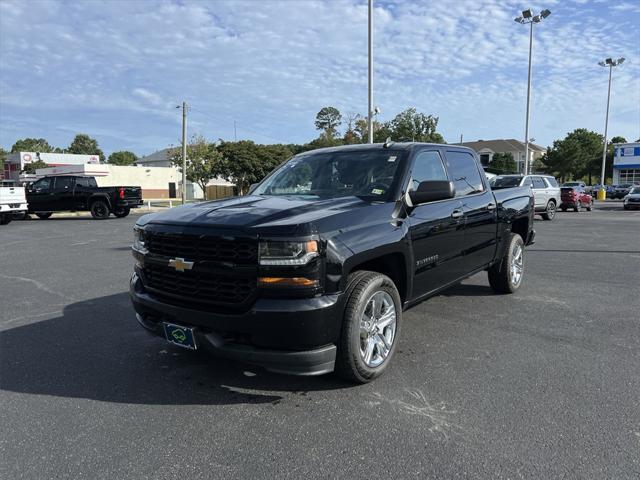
(632, 199)
(68, 193)
(546, 192)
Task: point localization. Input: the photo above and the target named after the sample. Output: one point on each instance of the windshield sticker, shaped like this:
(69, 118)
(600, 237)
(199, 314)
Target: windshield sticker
(392, 158)
(377, 191)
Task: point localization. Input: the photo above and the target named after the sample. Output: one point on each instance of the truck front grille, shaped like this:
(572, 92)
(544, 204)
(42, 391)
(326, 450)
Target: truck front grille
(203, 248)
(207, 281)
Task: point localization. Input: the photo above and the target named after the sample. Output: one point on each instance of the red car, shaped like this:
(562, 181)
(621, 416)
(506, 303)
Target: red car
(576, 198)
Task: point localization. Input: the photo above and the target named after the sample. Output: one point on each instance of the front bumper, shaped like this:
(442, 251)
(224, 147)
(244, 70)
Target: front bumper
(293, 336)
(13, 207)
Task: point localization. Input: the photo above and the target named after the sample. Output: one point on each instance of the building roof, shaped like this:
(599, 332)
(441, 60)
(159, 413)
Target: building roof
(508, 145)
(159, 156)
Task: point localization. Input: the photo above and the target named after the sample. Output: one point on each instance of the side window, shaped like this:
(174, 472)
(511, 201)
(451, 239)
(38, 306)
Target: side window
(538, 183)
(527, 182)
(84, 182)
(43, 184)
(64, 182)
(427, 166)
(464, 172)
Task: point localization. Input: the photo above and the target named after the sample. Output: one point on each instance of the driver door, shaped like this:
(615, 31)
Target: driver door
(40, 194)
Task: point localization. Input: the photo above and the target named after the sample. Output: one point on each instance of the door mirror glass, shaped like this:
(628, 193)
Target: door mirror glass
(432, 190)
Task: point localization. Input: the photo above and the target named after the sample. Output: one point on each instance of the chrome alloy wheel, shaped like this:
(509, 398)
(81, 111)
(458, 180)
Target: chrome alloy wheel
(551, 210)
(377, 328)
(517, 265)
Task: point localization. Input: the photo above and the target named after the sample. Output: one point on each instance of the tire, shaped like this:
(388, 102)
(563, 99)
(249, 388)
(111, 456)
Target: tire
(100, 210)
(550, 212)
(5, 218)
(43, 215)
(366, 347)
(590, 206)
(578, 206)
(122, 212)
(503, 276)
(627, 207)
(564, 209)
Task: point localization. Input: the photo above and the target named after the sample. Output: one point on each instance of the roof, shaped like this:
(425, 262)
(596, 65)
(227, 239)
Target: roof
(379, 146)
(159, 156)
(499, 146)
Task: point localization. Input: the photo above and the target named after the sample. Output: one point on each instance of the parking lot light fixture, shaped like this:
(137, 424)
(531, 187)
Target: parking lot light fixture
(529, 18)
(610, 63)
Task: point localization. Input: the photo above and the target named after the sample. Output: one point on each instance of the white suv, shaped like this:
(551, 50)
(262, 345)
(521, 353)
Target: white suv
(546, 191)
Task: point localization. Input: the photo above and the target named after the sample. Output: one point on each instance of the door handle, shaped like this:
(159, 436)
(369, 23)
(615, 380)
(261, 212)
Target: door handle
(491, 206)
(456, 214)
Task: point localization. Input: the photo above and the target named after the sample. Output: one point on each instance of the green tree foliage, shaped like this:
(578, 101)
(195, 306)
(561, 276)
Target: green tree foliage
(245, 162)
(33, 166)
(328, 120)
(413, 126)
(123, 157)
(39, 145)
(503, 163)
(83, 144)
(579, 154)
(3, 155)
(204, 162)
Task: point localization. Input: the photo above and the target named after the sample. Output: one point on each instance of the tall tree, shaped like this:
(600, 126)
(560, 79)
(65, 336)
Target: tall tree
(123, 157)
(83, 144)
(577, 155)
(413, 126)
(3, 155)
(328, 120)
(204, 162)
(503, 163)
(39, 145)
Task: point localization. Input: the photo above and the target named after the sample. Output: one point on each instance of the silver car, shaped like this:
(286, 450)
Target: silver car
(546, 191)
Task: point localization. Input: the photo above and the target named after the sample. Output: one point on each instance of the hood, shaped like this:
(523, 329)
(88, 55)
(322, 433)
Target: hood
(288, 215)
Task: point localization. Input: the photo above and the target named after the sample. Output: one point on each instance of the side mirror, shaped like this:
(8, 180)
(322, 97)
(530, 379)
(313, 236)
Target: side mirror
(432, 190)
(252, 187)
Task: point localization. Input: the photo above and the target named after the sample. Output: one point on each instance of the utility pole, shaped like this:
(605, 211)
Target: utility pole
(184, 152)
(370, 71)
(461, 139)
(609, 62)
(235, 132)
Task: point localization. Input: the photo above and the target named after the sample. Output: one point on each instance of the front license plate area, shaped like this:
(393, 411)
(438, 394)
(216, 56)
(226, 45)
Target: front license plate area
(181, 336)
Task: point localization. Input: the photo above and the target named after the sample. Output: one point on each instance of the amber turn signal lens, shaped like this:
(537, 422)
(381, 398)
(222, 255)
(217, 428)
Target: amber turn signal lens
(287, 282)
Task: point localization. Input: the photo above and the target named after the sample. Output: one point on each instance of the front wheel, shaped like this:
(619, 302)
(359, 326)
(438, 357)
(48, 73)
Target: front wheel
(43, 215)
(506, 275)
(371, 327)
(122, 212)
(590, 206)
(5, 218)
(550, 212)
(578, 206)
(100, 210)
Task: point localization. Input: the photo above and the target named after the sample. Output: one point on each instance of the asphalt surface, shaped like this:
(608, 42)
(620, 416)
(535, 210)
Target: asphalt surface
(541, 384)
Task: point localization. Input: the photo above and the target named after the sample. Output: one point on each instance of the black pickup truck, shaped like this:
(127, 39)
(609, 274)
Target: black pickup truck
(79, 193)
(312, 270)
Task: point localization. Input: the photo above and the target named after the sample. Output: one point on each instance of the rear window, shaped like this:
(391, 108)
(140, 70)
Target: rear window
(506, 182)
(552, 181)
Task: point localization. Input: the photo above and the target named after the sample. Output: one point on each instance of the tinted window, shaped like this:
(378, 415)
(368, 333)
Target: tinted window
(506, 182)
(43, 184)
(85, 182)
(552, 181)
(464, 173)
(538, 183)
(527, 182)
(64, 182)
(427, 166)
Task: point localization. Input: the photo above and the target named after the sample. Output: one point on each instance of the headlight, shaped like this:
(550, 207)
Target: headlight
(287, 253)
(138, 240)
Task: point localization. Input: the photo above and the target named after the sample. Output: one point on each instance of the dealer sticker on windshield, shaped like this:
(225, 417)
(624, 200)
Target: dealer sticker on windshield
(392, 158)
(377, 191)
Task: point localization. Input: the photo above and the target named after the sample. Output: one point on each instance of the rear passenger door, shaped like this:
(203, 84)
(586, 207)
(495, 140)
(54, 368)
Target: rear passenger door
(540, 194)
(478, 206)
(85, 187)
(63, 193)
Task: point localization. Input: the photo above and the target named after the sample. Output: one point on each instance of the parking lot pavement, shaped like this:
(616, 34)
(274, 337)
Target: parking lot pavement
(541, 384)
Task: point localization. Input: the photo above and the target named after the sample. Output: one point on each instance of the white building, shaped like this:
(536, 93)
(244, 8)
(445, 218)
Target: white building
(16, 162)
(626, 163)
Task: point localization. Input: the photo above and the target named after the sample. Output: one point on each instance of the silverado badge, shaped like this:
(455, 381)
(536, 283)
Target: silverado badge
(180, 264)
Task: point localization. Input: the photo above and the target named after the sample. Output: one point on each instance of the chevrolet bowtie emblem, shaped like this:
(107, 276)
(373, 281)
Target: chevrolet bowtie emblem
(180, 264)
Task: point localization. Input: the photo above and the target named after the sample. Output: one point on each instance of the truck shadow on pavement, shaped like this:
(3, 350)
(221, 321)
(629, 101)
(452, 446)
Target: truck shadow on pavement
(96, 350)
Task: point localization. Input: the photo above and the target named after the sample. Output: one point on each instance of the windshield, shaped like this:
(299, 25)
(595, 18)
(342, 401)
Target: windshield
(571, 184)
(505, 182)
(365, 173)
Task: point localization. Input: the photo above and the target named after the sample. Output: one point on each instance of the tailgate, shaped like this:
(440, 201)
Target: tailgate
(132, 193)
(12, 195)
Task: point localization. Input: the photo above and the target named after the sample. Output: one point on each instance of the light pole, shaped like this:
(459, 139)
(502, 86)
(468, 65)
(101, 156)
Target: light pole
(528, 17)
(609, 62)
(184, 152)
(370, 109)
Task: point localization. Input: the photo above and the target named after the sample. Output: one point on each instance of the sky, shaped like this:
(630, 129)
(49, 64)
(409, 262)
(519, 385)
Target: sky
(116, 70)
